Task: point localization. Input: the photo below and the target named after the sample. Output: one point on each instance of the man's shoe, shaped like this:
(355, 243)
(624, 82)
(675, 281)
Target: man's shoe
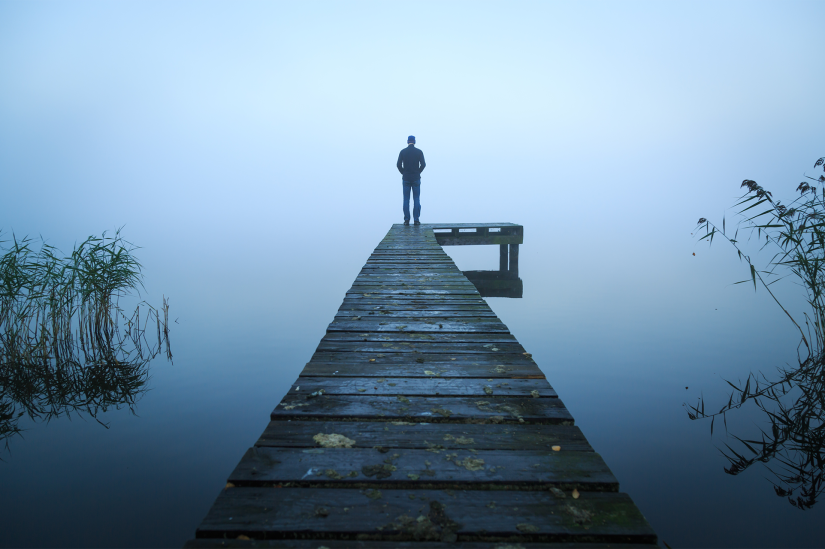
(406, 222)
(417, 222)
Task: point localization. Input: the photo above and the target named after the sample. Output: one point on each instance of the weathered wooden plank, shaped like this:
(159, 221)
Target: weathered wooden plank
(418, 325)
(422, 302)
(385, 274)
(432, 319)
(417, 260)
(426, 249)
(404, 258)
(412, 280)
(467, 288)
(457, 337)
(367, 286)
(421, 275)
(391, 367)
(413, 313)
(411, 244)
(443, 283)
(399, 252)
(454, 360)
(373, 544)
(413, 262)
(430, 409)
(352, 306)
(414, 251)
(370, 434)
(399, 238)
(408, 254)
(438, 284)
(446, 515)
(418, 265)
(374, 323)
(454, 349)
(433, 289)
(423, 386)
(383, 268)
(408, 264)
(379, 304)
(369, 316)
(378, 270)
(415, 265)
(413, 303)
(433, 468)
(414, 292)
(420, 298)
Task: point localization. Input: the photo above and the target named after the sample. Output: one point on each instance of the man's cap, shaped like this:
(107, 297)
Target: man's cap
(411, 139)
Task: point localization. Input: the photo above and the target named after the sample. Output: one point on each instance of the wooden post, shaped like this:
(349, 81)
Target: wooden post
(502, 258)
(514, 260)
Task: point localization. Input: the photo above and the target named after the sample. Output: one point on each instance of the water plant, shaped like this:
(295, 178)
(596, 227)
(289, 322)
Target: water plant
(66, 343)
(793, 447)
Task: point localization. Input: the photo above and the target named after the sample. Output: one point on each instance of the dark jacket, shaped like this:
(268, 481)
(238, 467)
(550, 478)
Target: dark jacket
(411, 163)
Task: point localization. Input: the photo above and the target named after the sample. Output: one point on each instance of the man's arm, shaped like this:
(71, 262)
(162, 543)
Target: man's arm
(421, 163)
(399, 164)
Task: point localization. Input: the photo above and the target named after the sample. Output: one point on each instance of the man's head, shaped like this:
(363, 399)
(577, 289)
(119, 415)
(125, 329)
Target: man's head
(411, 140)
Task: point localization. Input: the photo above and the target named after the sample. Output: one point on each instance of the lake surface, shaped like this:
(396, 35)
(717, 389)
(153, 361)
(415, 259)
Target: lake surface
(624, 350)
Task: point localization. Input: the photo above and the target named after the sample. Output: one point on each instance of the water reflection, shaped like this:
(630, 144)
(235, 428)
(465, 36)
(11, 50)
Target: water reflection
(793, 402)
(496, 283)
(793, 449)
(46, 391)
(66, 343)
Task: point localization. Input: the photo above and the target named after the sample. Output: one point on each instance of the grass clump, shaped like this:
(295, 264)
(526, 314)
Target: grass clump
(793, 447)
(66, 344)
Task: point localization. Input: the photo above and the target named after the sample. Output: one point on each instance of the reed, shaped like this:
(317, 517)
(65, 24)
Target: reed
(793, 447)
(66, 343)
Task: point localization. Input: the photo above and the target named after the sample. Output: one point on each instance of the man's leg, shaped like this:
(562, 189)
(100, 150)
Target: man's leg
(416, 190)
(407, 187)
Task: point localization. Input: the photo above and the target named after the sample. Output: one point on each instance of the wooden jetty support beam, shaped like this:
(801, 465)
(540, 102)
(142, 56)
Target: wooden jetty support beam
(421, 422)
(504, 234)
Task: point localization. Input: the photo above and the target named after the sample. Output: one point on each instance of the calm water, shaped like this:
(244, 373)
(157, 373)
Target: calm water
(624, 350)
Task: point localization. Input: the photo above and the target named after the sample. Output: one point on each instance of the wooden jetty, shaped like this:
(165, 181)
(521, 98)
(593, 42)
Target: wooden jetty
(421, 422)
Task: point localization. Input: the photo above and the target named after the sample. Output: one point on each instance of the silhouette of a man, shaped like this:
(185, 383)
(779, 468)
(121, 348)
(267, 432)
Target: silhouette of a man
(411, 164)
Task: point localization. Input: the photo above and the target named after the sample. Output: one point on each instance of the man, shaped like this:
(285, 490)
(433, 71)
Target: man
(411, 164)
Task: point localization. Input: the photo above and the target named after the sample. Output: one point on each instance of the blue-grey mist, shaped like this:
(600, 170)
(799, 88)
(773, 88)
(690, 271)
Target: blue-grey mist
(249, 149)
